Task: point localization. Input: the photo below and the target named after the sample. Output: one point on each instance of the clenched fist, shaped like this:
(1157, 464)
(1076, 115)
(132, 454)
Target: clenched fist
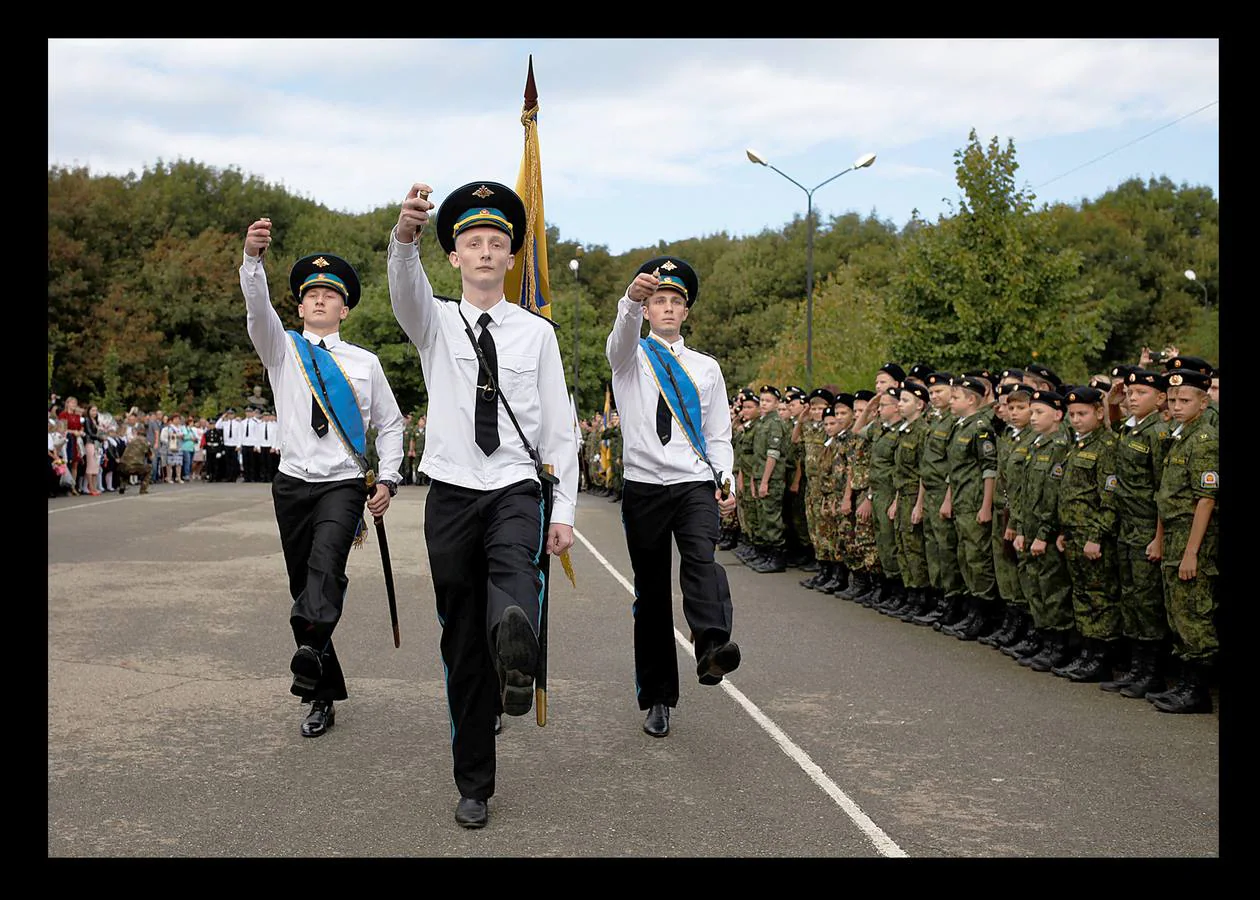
(414, 214)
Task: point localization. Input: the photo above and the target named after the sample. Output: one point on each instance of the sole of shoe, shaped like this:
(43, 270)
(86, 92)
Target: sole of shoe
(306, 668)
(517, 649)
(723, 660)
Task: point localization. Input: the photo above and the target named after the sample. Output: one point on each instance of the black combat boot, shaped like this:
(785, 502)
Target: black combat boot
(1055, 652)
(820, 576)
(858, 584)
(811, 562)
(838, 581)
(1124, 663)
(893, 595)
(773, 561)
(742, 548)
(729, 539)
(1097, 666)
(1191, 695)
(918, 602)
(970, 610)
(754, 558)
(954, 613)
(1020, 627)
(1078, 655)
(1145, 678)
(1029, 648)
(874, 591)
(982, 623)
(935, 609)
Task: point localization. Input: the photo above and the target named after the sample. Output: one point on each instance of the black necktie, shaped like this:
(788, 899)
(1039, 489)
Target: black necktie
(319, 421)
(487, 416)
(664, 419)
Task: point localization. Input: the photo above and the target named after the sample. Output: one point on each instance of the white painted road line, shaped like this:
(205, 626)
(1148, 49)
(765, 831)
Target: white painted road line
(882, 842)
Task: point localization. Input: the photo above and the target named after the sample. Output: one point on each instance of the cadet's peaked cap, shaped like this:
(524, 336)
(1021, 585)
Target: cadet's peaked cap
(325, 270)
(1044, 373)
(894, 370)
(1191, 363)
(921, 372)
(843, 399)
(770, 389)
(1147, 377)
(675, 274)
(1048, 398)
(863, 395)
(1085, 395)
(1189, 378)
(821, 394)
(481, 204)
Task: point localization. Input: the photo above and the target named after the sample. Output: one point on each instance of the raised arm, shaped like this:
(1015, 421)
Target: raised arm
(266, 331)
(624, 339)
(410, 293)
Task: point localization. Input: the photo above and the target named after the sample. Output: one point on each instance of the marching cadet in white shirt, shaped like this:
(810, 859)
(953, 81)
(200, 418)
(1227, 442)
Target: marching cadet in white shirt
(233, 431)
(678, 461)
(483, 514)
(269, 448)
(328, 394)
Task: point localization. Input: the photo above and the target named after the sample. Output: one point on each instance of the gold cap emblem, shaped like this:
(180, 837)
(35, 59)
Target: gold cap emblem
(1175, 380)
(668, 265)
(321, 262)
(483, 192)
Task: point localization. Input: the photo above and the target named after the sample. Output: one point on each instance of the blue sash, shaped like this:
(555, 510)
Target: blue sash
(680, 391)
(340, 393)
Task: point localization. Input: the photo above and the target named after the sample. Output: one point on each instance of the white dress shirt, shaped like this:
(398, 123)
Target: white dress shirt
(303, 453)
(531, 377)
(644, 457)
(268, 439)
(231, 431)
(252, 434)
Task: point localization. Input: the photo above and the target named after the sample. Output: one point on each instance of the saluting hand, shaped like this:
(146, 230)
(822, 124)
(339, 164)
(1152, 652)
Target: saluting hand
(258, 237)
(643, 286)
(414, 214)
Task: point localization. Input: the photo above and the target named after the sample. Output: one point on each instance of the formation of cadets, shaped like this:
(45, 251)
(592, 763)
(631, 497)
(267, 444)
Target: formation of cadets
(1071, 528)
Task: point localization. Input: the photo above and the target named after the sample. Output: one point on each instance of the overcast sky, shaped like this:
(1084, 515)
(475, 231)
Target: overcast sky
(644, 140)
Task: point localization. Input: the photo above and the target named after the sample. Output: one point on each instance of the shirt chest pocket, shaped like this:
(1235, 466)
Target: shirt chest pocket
(518, 374)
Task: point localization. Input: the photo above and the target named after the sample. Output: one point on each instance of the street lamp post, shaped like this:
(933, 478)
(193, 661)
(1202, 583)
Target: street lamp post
(1190, 275)
(862, 162)
(577, 306)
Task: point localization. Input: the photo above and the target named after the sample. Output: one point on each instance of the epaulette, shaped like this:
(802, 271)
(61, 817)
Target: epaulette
(447, 299)
(702, 353)
(555, 325)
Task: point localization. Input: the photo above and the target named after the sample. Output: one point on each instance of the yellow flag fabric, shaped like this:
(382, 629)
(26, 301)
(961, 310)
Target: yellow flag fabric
(528, 281)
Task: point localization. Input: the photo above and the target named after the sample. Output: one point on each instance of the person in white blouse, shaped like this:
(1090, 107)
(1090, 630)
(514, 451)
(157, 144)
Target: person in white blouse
(678, 460)
(483, 514)
(328, 394)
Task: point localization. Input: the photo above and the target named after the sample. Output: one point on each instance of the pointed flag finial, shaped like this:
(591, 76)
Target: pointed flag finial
(531, 92)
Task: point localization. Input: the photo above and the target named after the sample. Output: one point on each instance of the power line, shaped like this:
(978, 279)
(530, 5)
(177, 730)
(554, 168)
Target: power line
(1122, 146)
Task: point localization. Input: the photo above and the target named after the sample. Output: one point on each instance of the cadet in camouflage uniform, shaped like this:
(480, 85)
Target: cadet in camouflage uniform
(813, 436)
(746, 500)
(1037, 531)
(860, 553)
(1187, 512)
(912, 401)
(940, 540)
(798, 547)
(836, 519)
(729, 533)
(595, 483)
(1143, 441)
(972, 457)
(882, 491)
(1087, 517)
(137, 459)
(616, 472)
(1010, 567)
(770, 441)
(1179, 363)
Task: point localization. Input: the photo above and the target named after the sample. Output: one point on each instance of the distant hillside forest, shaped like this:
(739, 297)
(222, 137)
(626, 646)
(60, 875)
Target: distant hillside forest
(145, 308)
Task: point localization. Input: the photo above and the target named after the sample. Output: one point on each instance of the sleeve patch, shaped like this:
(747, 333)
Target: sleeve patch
(1057, 471)
(1111, 483)
(1208, 480)
(987, 447)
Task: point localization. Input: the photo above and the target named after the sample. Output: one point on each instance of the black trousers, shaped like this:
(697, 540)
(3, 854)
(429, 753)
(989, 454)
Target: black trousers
(688, 513)
(484, 549)
(317, 522)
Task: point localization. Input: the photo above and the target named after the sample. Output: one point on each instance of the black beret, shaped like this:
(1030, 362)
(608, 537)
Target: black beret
(747, 394)
(493, 205)
(1121, 372)
(985, 374)
(1014, 373)
(674, 273)
(971, 383)
(1044, 373)
(1189, 378)
(829, 411)
(1147, 377)
(894, 370)
(771, 389)
(1193, 363)
(945, 378)
(863, 395)
(1084, 395)
(844, 399)
(918, 389)
(1011, 387)
(821, 394)
(921, 371)
(1049, 398)
(791, 392)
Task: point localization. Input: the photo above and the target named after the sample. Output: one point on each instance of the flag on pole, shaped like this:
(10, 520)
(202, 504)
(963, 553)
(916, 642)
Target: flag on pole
(528, 281)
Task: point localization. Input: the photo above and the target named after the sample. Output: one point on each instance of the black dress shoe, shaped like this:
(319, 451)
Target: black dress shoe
(306, 668)
(657, 721)
(471, 813)
(319, 719)
(517, 649)
(717, 661)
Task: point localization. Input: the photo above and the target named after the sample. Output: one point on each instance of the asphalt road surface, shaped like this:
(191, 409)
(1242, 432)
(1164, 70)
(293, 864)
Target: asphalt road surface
(844, 734)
